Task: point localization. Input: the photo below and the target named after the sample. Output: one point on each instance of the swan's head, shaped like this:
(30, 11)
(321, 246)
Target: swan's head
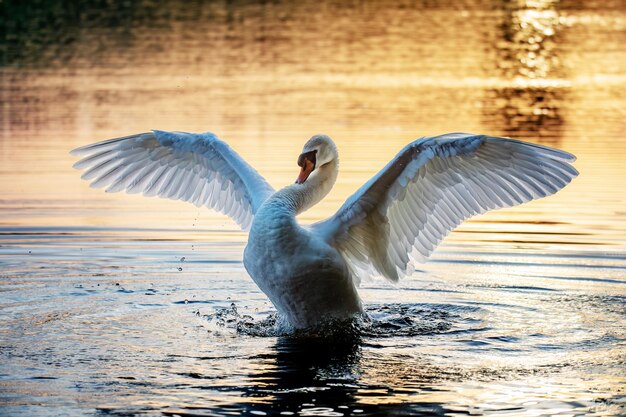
(317, 152)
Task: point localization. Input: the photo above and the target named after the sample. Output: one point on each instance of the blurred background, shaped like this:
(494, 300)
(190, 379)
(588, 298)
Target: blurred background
(110, 302)
(265, 76)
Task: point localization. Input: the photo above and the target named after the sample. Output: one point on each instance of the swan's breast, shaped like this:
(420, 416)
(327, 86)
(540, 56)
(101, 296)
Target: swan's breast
(306, 279)
(278, 246)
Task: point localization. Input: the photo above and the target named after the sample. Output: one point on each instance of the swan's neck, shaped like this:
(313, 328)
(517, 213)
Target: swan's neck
(297, 198)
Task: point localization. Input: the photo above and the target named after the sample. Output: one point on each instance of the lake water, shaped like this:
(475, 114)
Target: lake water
(118, 305)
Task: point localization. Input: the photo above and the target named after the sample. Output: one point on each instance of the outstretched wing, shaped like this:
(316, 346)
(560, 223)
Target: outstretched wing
(429, 188)
(194, 167)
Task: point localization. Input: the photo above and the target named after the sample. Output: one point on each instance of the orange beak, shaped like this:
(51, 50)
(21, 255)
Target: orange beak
(307, 162)
(305, 172)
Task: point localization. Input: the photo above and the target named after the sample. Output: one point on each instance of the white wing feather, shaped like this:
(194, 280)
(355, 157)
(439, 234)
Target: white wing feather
(429, 188)
(194, 167)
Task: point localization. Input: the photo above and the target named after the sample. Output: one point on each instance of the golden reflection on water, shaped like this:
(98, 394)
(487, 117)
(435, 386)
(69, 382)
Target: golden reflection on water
(529, 58)
(265, 78)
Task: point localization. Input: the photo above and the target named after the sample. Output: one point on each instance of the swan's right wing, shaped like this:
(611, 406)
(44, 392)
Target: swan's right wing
(194, 167)
(429, 188)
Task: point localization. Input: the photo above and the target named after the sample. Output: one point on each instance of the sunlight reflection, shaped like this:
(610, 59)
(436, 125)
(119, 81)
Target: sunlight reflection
(529, 57)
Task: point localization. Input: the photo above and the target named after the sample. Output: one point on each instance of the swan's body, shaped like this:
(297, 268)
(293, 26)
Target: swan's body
(311, 273)
(303, 276)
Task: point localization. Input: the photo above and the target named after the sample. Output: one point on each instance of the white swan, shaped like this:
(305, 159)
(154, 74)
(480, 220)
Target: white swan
(310, 273)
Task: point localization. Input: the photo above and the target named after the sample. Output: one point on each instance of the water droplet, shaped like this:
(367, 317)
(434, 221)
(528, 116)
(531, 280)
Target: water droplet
(186, 301)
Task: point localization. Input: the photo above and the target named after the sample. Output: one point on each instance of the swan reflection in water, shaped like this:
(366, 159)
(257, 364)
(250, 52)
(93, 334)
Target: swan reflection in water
(326, 375)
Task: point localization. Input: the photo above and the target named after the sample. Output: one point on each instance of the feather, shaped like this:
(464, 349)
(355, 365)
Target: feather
(194, 167)
(429, 188)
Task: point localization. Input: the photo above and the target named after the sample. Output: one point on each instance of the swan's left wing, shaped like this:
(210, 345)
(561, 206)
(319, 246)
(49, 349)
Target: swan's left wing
(194, 167)
(429, 188)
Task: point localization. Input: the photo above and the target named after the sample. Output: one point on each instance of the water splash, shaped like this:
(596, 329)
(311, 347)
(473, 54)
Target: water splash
(377, 321)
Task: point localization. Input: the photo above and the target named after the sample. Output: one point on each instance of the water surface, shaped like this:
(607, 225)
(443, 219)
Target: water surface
(122, 305)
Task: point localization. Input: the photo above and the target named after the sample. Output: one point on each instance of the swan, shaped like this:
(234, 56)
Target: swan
(311, 273)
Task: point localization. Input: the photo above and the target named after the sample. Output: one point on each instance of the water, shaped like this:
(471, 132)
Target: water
(121, 305)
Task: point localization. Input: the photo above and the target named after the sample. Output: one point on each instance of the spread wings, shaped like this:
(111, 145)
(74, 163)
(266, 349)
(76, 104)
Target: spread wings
(194, 167)
(429, 188)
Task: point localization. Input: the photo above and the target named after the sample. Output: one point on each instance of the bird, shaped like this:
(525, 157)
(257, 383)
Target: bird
(311, 273)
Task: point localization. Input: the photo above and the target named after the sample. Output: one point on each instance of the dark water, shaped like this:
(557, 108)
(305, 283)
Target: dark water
(121, 305)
